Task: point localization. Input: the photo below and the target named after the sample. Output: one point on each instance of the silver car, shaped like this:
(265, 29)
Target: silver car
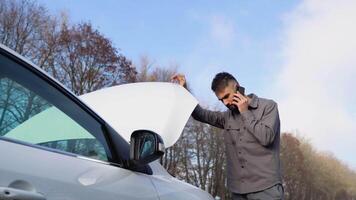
(103, 145)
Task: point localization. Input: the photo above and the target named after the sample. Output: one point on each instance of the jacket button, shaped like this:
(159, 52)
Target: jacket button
(242, 166)
(233, 143)
(239, 152)
(244, 128)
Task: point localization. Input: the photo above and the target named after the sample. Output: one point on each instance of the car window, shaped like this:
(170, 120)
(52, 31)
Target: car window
(32, 111)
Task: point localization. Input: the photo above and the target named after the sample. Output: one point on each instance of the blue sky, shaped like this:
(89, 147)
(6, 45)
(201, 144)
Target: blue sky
(294, 52)
(183, 33)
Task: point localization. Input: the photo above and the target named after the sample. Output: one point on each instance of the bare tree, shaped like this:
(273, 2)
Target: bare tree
(88, 61)
(77, 55)
(21, 25)
(309, 174)
(148, 70)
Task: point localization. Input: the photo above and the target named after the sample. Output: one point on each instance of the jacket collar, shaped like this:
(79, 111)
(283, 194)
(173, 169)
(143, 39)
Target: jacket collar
(254, 100)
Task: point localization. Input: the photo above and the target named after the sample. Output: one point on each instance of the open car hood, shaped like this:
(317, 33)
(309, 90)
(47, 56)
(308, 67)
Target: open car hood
(160, 107)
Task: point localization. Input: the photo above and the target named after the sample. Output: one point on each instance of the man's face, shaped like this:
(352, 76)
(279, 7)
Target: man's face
(226, 95)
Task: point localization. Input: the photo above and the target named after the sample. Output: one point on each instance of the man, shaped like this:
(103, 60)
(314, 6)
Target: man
(252, 137)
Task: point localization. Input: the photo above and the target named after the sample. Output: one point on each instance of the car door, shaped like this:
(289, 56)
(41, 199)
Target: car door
(52, 147)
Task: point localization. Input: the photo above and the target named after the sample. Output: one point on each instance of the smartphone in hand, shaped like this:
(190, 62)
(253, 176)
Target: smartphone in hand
(240, 89)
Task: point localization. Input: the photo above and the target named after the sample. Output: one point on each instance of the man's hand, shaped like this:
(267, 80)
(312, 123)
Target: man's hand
(180, 79)
(241, 102)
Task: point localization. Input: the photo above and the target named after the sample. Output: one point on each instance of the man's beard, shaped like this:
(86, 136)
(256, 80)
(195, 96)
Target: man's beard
(233, 108)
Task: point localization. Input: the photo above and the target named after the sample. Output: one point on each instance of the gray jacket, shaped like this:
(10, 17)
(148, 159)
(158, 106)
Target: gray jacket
(252, 144)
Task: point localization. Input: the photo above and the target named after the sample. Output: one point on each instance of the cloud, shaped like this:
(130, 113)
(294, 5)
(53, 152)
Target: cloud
(222, 30)
(317, 81)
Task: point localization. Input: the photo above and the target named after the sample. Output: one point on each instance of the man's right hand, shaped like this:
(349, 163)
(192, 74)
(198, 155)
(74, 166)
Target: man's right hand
(180, 79)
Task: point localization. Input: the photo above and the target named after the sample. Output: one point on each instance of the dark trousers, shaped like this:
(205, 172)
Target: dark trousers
(274, 192)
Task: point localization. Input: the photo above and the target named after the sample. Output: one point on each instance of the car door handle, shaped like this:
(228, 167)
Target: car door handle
(7, 193)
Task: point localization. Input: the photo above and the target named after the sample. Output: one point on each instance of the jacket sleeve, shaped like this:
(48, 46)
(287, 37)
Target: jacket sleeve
(266, 129)
(214, 118)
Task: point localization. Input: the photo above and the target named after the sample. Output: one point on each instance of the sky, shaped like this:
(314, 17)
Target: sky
(299, 53)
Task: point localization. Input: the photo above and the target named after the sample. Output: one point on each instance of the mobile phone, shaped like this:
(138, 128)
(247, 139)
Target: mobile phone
(240, 89)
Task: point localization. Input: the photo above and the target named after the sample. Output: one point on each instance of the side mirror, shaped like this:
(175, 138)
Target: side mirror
(145, 147)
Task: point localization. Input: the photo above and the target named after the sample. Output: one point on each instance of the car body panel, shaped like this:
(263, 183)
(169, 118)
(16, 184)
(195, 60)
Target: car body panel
(170, 188)
(62, 177)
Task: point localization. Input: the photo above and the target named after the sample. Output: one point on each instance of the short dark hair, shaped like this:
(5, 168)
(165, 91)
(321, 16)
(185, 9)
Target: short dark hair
(221, 80)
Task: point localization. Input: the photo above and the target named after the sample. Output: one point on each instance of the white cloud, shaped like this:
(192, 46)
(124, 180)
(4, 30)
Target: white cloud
(222, 30)
(316, 84)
